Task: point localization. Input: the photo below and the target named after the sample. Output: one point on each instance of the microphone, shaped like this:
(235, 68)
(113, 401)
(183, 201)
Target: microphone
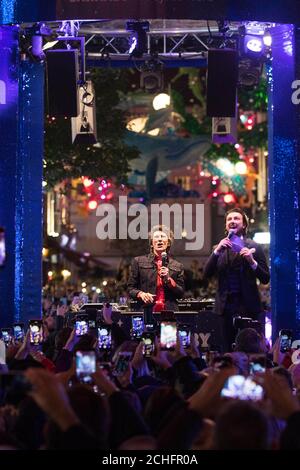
(164, 263)
(164, 259)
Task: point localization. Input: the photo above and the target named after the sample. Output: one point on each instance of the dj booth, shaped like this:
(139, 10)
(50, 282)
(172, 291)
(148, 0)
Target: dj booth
(203, 322)
(205, 325)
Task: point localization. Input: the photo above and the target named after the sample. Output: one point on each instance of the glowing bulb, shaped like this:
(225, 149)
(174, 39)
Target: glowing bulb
(66, 273)
(229, 198)
(161, 101)
(87, 182)
(92, 205)
(241, 168)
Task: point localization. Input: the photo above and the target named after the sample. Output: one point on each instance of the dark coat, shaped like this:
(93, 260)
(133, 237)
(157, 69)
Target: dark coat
(219, 265)
(143, 277)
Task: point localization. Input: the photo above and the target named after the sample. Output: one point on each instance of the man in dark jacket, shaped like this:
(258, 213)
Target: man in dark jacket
(237, 262)
(156, 279)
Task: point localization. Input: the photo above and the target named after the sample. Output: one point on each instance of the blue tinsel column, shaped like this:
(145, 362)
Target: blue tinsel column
(21, 131)
(284, 179)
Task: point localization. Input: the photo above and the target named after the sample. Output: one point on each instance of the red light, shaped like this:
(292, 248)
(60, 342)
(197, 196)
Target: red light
(109, 196)
(87, 182)
(92, 205)
(250, 121)
(103, 196)
(214, 194)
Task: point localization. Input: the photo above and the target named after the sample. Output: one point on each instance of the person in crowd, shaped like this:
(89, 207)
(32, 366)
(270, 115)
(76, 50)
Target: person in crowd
(238, 262)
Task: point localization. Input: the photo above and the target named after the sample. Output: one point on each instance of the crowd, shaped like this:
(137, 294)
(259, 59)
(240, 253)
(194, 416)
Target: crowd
(179, 399)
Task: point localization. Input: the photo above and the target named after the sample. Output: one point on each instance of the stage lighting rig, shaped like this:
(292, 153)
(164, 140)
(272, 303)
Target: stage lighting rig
(138, 37)
(152, 79)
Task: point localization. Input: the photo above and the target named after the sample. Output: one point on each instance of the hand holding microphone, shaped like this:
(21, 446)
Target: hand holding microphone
(225, 242)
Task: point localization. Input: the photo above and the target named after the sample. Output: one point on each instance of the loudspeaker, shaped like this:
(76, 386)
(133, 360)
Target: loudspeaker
(62, 80)
(222, 78)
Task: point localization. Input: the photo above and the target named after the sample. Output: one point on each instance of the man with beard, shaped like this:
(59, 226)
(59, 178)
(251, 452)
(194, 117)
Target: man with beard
(237, 262)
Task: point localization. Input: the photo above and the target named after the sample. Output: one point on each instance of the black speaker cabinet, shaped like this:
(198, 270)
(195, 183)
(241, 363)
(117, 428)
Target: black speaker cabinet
(62, 82)
(222, 79)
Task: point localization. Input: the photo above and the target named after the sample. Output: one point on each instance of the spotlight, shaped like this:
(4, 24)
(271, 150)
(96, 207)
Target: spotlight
(267, 38)
(151, 82)
(254, 44)
(138, 37)
(250, 71)
(152, 79)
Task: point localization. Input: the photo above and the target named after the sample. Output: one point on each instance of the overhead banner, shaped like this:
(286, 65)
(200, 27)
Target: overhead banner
(281, 11)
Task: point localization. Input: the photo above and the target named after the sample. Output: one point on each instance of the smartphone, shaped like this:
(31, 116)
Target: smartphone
(257, 364)
(168, 334)
(148, 339)
(81, 325)
(36, 332)
(122, 363)
(185, 335)
(137, 329)
(238, 386)
(285, 340)
(92, 323)
(19, 332)
(104, 337)
(85, 365)
(6, 335)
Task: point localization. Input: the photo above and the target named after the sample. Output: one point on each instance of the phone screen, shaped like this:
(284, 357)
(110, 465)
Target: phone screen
(19, 331)
(36, 331)
(137, 326)
(6, 335)
(285, 340)
(168, 333)
(122, 363)
(85, 365)
(104, 337)
(257, 364)
(81, 326)
(185, 336)
(148, 339)
(256, 367)
(237, 386)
